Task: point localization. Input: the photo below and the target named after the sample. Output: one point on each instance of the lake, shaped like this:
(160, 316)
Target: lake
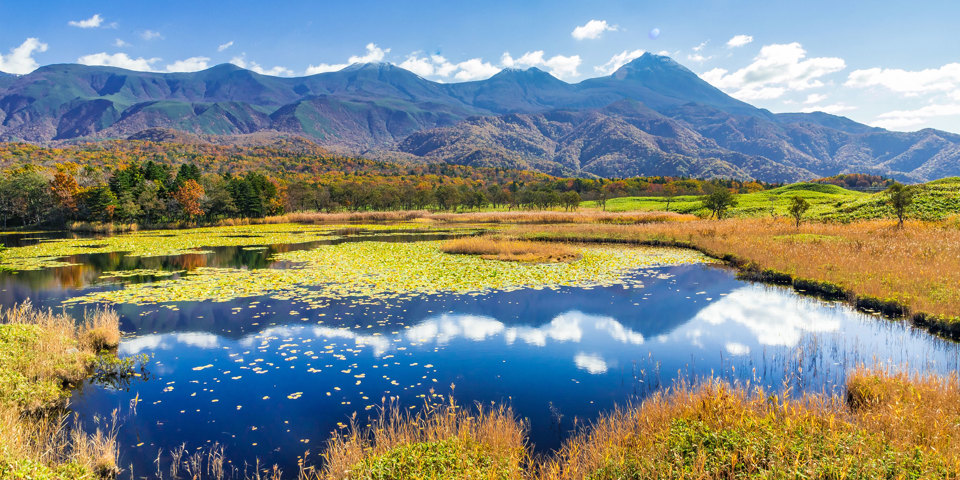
(269, 373)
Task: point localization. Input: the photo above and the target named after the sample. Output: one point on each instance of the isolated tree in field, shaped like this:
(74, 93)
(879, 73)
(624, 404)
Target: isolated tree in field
(901, 197)
(718, 202)
(669, 191)
(798, 206)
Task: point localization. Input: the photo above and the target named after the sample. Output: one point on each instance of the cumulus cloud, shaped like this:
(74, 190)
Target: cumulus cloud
(119, 43)
(20, 59)
(903, 119)
(739, 41)
(815, 98)
(777, 69)
(120, 60)
(618, 61)
(373, 54)
(151, 35)
(427, 66)
(592, 30)
(224, 46)
(475, 69)
(276, 71)
(907, 82)
(558, 65)
(93, 22)
(192, 64)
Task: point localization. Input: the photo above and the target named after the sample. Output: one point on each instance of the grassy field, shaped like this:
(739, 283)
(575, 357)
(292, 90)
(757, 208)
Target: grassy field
(934, 201)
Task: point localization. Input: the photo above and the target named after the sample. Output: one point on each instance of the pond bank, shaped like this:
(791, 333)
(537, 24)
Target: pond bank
(909, 273)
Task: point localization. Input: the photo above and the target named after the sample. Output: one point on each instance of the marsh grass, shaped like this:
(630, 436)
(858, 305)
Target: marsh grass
(492, 248)
(718, 430)
(876, 264)
(493, 217)
(43, 355)
(443, 440)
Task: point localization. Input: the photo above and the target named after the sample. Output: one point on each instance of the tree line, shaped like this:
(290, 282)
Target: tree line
(153, 193)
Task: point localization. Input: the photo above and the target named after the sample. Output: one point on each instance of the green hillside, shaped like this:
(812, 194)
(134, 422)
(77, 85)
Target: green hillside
(933, 201)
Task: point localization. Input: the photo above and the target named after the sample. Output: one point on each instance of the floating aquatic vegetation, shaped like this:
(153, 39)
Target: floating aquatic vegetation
(152, 243)
(386, 270)
(139, 272)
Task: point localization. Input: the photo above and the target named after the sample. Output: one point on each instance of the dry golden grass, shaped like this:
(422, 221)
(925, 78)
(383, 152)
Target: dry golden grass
(492, 248)
(101, 329)
(557, 217)
(917, 266)
(903, 428)
(442, 441)
(42, 355)
(512, 217)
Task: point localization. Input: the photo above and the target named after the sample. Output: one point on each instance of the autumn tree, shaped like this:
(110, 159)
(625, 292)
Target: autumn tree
(65, 189)
(189, 196)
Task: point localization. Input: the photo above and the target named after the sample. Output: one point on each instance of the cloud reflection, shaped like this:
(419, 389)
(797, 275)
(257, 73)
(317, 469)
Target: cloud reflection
(775, 318)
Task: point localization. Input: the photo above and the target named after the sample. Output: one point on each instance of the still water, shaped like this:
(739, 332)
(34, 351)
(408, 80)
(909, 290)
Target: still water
(270, 379)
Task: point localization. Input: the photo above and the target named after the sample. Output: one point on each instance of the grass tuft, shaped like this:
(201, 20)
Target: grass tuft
(441, 441)
(492, 248)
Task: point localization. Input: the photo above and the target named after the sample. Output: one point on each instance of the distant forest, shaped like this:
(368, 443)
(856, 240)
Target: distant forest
(153, 183)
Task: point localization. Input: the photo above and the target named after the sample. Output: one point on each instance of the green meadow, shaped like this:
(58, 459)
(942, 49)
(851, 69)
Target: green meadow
(935, 200)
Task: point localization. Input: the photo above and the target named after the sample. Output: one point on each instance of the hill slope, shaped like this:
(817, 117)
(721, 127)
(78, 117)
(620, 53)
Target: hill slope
(651, 116)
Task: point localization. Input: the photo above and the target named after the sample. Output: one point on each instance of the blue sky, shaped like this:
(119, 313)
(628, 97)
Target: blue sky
(887, 63)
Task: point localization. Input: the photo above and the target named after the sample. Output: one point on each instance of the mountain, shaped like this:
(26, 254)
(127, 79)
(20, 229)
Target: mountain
(650, 116)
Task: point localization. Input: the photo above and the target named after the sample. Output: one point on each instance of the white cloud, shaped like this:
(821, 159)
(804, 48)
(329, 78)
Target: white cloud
(475, 69)
(428, 66)
(907, 82)
(701, 46)
(20, 59)
(833, 109)
(777, 69)
(696, 57)
(224, 46)
(119, 43)
(120, 60)
(276, 71)
(618, 61)
(592, 30)
(815, 98)
(592, 363)
(558, 65)
(739, 41)
(901, 119)
(151, 35)
(374, 54)
(192, 64)
(92, 22)
(420, 65)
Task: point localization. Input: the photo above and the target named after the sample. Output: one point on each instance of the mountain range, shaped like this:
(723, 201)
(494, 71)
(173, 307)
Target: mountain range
(652, 116)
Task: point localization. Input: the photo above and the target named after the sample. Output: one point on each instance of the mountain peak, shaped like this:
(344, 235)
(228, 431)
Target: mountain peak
(532, 75)
(649, 63)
